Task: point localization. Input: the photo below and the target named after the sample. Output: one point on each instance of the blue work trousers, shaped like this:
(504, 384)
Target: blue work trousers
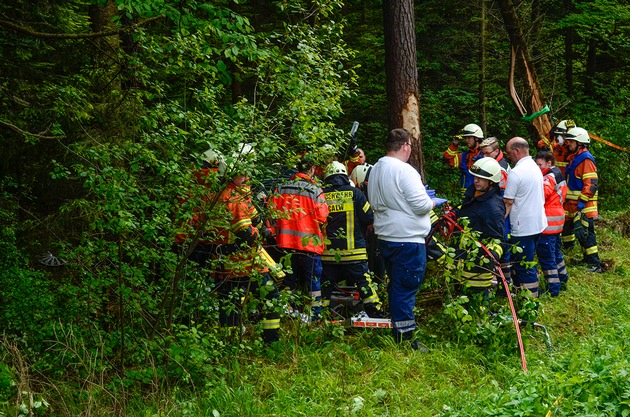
(405, 263)
(525, 276)
(546, 251)
(306, 270)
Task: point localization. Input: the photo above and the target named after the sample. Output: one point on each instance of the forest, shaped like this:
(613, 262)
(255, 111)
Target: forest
(106, 107)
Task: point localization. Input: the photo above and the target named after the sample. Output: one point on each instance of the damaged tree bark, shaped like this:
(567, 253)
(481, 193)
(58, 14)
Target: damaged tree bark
(403, 108)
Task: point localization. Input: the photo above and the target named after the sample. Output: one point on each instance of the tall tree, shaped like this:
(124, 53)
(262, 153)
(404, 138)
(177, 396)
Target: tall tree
(402, 73)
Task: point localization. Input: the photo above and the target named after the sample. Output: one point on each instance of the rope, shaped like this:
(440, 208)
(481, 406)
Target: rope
(612, 145)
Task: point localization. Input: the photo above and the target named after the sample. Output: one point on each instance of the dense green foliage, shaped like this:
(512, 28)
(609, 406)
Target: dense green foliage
(105, 106)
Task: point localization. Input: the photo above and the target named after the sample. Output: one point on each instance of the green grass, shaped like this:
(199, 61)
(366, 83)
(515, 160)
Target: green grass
(320, 371)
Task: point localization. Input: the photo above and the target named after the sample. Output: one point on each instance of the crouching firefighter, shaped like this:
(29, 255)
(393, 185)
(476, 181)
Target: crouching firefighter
(241, 266)
(345, 254)
(484, 207)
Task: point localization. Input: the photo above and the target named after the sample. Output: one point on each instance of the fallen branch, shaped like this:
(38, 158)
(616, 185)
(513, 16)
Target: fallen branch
(46, 35)
(23, 132)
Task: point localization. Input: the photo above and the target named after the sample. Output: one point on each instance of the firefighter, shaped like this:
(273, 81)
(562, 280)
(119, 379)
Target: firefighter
(472, 135)
(557, 145)
(345, 256)
(238, 266)
(300, 209)
(489, 147)
(209, 178)
(581, 203)
(360, 176)
(548, 248)
(484, 207)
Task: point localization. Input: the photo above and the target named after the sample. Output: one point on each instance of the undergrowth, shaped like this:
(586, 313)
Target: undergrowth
(474, 367)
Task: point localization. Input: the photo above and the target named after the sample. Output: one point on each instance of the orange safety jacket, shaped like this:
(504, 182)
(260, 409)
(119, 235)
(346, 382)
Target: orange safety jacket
(352, 163)
(560, 153)
(300, 209)
(237, 240)
(582, 181)
(555, 194)
(205, 177)
(463, 161)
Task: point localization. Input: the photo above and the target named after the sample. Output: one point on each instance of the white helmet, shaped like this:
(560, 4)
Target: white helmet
(487, 168)
(334, 168)
(214, 158)
(562, 127)
(579, 135)
(472, 130)
(244, 150)
(360, 173)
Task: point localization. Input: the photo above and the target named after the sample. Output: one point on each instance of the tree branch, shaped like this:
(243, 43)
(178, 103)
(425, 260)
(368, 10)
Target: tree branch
(23, 132)
(45, 35)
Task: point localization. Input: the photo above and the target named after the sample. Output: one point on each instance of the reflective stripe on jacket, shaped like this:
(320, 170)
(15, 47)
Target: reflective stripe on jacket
(463, 161)
(555, 194)
(582, 180)
(300, 209)
(349, 216)
(237, 249)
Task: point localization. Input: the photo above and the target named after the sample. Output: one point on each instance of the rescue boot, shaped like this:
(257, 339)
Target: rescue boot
(414, 343)
(270, 336)
(373, 311)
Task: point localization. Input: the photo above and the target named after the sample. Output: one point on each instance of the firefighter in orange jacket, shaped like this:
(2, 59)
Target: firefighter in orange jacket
(548, 248)
(238, 265)
(581, 204)
(472, 135)
(300, 209)
(193, 232)
(556, 143)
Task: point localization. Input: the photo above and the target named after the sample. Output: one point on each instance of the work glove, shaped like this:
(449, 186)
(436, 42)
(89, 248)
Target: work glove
(581, 205)
(456, 140)
(438, 201)
(580, 227)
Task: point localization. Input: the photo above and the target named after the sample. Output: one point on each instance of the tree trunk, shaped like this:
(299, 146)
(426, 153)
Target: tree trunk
(401, 73)
(591, 68)
(569, 36)
(520, 55)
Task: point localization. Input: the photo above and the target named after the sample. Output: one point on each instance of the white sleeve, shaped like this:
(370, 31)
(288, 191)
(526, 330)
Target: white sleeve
(414, 192)
(511, 187)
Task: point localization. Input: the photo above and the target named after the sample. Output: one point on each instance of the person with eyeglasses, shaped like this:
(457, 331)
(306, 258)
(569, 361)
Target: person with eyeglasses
(402, 221)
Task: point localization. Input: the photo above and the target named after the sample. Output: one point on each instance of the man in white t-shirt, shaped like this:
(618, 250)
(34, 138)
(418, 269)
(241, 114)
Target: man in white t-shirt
(401, 221)
(525, 204)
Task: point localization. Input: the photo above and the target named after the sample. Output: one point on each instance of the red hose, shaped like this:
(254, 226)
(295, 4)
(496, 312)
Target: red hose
(451, 224)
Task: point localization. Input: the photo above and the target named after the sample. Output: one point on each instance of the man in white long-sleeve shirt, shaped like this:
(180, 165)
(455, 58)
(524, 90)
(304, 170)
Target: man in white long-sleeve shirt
(401, 221)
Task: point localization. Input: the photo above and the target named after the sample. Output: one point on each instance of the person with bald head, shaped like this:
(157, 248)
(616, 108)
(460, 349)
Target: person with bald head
(524, 198)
